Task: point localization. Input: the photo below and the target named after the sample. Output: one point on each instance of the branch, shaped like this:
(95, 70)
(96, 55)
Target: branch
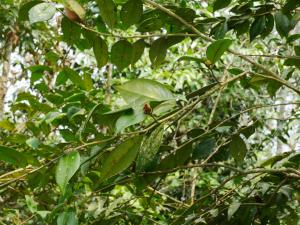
(272, 56)
(294, 173)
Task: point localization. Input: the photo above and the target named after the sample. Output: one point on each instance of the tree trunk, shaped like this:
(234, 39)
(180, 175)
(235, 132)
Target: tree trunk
(107, 97)
(5, 74)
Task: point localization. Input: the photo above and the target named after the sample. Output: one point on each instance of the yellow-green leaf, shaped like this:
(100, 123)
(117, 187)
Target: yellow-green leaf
(139, 91)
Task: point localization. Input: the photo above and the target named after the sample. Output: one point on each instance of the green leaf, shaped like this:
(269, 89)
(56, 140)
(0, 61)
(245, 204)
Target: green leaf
(216, 49)
(176, 158)
(290, 5)
(220, 4)
(293, 38)
(242, 28)
(297, 50)
(41, 12)
(75, 111)
(23, 12)
(248, 130)
(33, 207)
(54, 98)
(238, 148)
(130, 118)
(71, 31)
(137, 51)
(269, 25)
(61, 78)
(159, 47)
(287, 191)
(283, 23)
(139, 91)
(68, 135)
(37, 72)
(149, 149)
(67, 218)
(292, 62)
(219, 30)
(273, 87)
(31, 204)
(33, 143)
(158, 52)
(66, 168)
(149, 24)
(108, 12)
(274, 159)
(74, 77)
(12, 156)
(232, 209)
(164, 107)
(257, 27)
(204, 149)
(100, 51)
(131, 12)
(121, 53)
(52, 57)
(190, 58)
(43, 213)
(120, 158)
(121, 110)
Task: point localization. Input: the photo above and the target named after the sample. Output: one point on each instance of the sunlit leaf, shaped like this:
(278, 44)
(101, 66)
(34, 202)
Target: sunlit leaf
(130, 118)
(139, 91)
(75, 7)
(232, 209)
(41, 12)
(23, 12)
(34, 142)
(164, 107)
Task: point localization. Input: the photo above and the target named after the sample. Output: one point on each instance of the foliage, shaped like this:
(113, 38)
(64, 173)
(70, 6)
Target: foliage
(142, 112)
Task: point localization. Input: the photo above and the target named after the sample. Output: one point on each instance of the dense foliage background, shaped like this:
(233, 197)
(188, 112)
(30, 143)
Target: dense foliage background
(150, 112)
